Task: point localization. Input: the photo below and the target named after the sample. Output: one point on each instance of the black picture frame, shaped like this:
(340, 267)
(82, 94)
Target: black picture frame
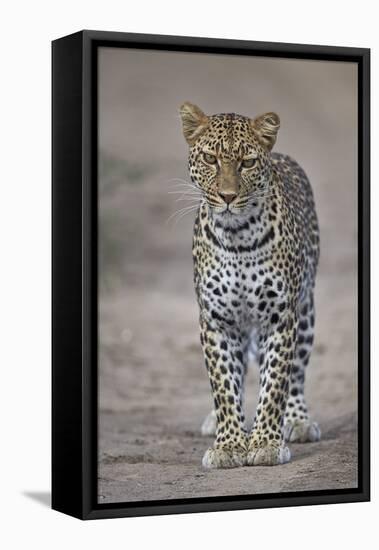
(74, 272)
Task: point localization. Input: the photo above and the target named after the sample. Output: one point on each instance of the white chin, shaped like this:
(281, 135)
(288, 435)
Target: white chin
(219, 209)
(231, 212)
(228, 212)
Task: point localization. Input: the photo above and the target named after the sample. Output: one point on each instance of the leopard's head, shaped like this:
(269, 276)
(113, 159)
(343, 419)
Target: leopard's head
(229, 157)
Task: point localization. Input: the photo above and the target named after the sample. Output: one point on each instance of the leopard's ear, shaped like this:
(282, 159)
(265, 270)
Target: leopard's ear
(194, 121)
(266, 127)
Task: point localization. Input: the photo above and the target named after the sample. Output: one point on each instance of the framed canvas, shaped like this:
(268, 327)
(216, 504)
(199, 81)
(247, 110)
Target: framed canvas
(209, 196)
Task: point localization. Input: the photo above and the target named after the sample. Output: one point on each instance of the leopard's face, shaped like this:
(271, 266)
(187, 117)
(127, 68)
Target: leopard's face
(229, 157)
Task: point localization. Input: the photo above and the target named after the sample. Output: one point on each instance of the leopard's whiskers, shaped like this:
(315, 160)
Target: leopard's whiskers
(179, 214)
(180, 182)
(186, 198)
(183, 183)
(181, 191)
(189, 194)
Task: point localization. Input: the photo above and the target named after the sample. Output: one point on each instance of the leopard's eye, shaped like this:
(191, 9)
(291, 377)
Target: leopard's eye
(248, 163)
(210, 159)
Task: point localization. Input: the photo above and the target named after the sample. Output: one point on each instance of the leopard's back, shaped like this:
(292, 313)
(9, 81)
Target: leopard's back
(299, 200)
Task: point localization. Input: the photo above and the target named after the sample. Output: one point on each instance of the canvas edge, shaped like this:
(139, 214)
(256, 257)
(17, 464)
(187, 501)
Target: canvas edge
(82, 499)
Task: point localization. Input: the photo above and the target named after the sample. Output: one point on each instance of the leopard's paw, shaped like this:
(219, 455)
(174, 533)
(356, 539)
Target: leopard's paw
(268, 455)
(224, 457)
(300, 431)
(209, 425)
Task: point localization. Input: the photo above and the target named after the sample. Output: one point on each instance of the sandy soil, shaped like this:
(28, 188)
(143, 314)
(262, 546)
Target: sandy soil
(154, 391)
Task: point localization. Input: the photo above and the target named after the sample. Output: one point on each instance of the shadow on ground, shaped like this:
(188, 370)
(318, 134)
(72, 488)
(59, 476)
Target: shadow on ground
(42, 497)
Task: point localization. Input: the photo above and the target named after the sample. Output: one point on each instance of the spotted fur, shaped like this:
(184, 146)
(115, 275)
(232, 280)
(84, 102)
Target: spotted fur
(255, 251)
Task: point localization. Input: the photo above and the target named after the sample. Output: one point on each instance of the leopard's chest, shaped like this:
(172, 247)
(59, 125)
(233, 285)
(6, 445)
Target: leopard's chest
(239, 290)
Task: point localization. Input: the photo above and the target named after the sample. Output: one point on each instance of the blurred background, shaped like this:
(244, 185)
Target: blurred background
(153, 387)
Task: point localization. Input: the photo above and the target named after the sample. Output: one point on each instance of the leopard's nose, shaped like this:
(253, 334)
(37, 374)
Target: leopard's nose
(228, 197)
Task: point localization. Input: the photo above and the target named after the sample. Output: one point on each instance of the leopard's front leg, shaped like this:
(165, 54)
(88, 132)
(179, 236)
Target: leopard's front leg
(266, 441)
(224, 358)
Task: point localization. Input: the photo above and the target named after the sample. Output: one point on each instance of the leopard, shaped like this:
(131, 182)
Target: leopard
(256, 246)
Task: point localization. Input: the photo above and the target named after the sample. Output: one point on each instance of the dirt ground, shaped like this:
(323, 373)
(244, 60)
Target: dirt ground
(153, 387)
